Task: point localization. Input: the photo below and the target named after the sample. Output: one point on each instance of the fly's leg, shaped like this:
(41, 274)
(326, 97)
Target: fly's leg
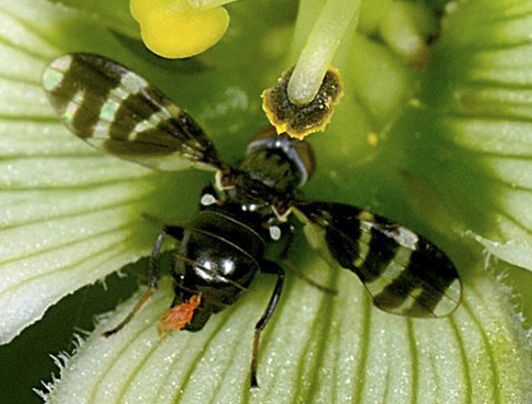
(322, 288)
(174, 231)
(270, 268)
(285, 257)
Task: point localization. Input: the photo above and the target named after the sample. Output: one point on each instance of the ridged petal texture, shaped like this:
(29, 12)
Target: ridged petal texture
(319, 348)
(485, 98)
(71, 216)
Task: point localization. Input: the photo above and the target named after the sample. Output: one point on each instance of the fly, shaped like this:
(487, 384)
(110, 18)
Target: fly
(249, 206)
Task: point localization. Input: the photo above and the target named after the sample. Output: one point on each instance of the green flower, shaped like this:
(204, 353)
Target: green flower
(446, 150)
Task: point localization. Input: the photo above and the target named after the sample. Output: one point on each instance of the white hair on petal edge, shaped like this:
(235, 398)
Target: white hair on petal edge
(60, 360)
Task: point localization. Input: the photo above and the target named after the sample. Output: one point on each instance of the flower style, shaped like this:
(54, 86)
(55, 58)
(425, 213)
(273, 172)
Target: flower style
(444, 148)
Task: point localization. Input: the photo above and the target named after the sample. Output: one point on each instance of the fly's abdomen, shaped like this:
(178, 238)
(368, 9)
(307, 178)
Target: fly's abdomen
(218, 257)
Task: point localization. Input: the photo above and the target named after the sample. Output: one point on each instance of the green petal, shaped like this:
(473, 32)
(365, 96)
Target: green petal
(482, 82)
(69, 213)
(460, 154)
(73, 215)
(113, 14)
(318, 348)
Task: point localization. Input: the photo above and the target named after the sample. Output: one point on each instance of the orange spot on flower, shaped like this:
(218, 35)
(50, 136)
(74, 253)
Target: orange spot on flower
(177, 317)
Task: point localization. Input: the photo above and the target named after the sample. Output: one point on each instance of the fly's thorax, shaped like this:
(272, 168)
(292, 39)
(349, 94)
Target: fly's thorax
(250, 200)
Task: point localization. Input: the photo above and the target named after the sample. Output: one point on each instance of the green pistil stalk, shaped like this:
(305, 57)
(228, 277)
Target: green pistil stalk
(206, 4)
(318, 53)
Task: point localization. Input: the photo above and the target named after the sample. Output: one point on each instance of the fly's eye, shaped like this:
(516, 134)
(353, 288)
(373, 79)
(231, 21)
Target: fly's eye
(306, 156)
(298, 152)
(263, 139)
(266, 133)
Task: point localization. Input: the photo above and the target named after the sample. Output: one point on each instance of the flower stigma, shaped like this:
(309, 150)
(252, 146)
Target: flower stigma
(304, 85)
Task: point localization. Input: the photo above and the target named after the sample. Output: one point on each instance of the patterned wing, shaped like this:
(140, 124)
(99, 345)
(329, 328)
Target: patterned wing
(404, 273)
(116, 110)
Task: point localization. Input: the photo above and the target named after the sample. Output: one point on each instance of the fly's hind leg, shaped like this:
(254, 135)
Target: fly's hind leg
(153, 282)
(289, 229)
(271, 268)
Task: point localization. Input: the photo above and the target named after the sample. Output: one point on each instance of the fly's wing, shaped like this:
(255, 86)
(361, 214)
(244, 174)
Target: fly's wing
(404, 273)
(117, 111)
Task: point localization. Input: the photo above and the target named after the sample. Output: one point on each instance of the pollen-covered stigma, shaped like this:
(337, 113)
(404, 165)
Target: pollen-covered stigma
(305, 97)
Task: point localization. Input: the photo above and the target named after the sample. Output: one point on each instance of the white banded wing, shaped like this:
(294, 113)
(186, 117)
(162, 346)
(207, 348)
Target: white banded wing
(404, 273)
(119, 112)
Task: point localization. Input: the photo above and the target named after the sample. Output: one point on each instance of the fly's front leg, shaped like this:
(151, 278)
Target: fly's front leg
(153, 282)
(270, 268)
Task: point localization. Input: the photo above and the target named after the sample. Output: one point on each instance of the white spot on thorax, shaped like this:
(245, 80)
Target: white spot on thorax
(208, 199)
(275, 232)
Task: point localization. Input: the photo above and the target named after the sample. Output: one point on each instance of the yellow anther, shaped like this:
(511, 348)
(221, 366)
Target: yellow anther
(176, 29)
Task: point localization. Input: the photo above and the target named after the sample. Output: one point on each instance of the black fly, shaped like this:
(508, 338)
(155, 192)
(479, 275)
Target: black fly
(250, 206)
